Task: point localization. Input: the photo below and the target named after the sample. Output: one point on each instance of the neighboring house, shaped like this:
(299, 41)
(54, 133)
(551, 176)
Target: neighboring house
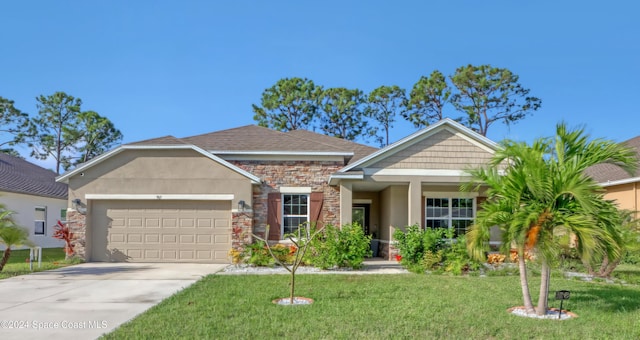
(618, 184)
(36, 198)
(180, 200)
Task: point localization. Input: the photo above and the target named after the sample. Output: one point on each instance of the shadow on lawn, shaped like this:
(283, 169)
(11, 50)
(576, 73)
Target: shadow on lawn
(611, 298)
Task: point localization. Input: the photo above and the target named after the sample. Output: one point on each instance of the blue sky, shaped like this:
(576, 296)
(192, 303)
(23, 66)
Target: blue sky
(183, 68)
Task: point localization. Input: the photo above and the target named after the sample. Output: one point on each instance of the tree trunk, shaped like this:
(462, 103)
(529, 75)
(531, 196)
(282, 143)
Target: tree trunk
(543, 304)
(611, 266)
(293, 286)
(5, 258)
(524, 283)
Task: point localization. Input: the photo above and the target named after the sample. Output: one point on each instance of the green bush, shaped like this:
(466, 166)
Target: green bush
(340, 247)
(258, 255)
(433, 250)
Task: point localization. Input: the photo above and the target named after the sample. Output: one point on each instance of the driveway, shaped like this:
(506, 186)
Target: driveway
(89, 299)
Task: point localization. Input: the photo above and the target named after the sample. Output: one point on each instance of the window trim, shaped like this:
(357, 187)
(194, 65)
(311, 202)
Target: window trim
(282, 214)
(35, 220)
(450, 196)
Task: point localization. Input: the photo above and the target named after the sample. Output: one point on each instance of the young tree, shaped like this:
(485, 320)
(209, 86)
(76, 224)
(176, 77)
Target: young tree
(383, 104)
(11, 235)
(290, 104)
(98, 135)
(545, 192)
(343, 115)
(488, 95)
(55, 130)
(427, 100)
(14, 125)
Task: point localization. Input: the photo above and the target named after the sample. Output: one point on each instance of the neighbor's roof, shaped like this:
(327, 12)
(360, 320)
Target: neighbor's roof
(252, 138)
(609, 174)
(20, 176)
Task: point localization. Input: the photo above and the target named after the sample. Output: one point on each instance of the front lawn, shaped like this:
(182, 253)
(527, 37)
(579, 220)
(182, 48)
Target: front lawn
(383, 307)
(52, 258)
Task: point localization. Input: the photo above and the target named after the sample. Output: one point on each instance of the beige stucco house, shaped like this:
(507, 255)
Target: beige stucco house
(192, 199)
(619, 185)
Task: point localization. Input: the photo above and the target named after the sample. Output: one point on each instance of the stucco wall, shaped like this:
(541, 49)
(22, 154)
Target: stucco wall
(160, 172)
(24, 206)
(626, 195)
(442, 150)
(393, 202)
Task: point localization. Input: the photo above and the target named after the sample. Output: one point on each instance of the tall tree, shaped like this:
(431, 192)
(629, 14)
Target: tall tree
(290, 104)
(343, 114)
(488, 95)
(98, 135)
(543, 193)
(383, 105)
(428, 99)
(55, 131)
(14, 125)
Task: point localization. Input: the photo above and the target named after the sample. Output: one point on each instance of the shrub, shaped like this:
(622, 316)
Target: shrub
(433, 249)
(258, 255)
(340, 247)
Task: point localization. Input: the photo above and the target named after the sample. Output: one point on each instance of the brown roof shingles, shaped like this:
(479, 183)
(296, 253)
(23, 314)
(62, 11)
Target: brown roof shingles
(603, 173)
(257, 138)
(20, 176)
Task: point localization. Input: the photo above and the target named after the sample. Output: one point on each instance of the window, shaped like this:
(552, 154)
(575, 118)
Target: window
(295, 211)
(40, 221)
(63, 215)
(446, 212)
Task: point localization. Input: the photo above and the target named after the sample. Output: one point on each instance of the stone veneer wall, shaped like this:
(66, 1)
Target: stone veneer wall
(276, 174)
(77, 223)
(241, 223)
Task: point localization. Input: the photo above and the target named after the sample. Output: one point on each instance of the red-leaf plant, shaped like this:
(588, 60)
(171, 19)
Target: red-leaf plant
(63, 232)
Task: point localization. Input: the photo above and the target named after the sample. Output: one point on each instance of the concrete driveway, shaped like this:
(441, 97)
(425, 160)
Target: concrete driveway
(89, 299)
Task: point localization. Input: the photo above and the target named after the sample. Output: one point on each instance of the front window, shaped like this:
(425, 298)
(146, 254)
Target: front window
(295, 212)
(455, 213)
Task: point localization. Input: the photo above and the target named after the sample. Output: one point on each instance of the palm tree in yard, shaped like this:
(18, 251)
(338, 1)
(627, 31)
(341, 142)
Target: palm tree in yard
(11, 235)
(543, 192)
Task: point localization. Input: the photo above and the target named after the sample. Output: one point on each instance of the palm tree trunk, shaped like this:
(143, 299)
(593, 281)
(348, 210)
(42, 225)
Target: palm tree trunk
(5, 258)
(524, 283)
(543, 304)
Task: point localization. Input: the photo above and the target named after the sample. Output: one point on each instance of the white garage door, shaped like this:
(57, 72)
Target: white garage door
(160, 231)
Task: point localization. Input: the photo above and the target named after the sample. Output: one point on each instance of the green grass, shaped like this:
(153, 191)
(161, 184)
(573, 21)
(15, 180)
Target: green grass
(52, 258)
(383, 307)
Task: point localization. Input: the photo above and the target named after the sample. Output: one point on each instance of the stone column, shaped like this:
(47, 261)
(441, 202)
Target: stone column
(77, 223)
(346, 202)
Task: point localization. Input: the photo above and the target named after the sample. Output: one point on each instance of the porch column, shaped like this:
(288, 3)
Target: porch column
(346, 203)
(415, 200)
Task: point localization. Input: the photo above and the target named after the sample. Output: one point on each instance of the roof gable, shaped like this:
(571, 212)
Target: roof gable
(20, 176)
(418, 144)
(105, 156)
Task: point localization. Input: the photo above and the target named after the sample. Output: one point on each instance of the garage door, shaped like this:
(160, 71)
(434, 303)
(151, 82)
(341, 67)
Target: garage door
(160, 231)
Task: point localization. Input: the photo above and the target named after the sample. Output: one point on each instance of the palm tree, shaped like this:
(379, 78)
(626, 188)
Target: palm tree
(544, 192)
(11, 235)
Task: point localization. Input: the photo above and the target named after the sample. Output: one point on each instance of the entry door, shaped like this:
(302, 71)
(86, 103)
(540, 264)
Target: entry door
(360, 215)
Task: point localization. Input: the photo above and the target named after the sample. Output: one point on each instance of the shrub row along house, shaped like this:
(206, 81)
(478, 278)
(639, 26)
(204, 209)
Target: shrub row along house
(178, 199)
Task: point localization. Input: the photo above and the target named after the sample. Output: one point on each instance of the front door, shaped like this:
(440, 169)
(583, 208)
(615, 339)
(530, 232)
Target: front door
(360, 215)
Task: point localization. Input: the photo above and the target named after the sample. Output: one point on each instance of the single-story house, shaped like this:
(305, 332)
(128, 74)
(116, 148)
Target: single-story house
(36, 199)
(180, 199)
(618, 184)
